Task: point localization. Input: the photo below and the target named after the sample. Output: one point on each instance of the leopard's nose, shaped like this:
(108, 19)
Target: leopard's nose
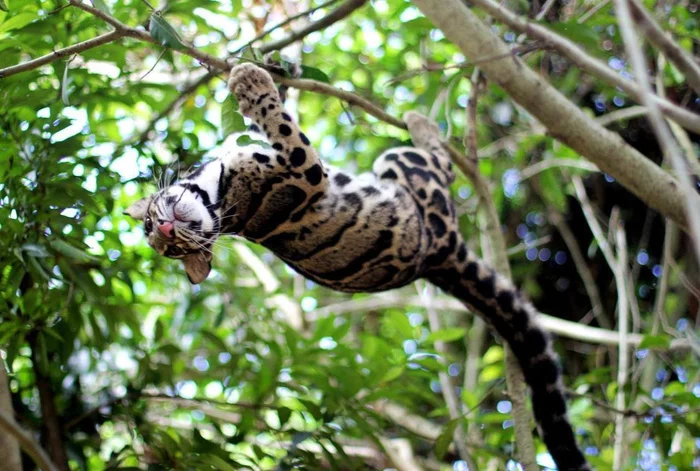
(166, 228)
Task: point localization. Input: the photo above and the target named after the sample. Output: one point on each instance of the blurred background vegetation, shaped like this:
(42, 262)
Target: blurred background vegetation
(115, 362)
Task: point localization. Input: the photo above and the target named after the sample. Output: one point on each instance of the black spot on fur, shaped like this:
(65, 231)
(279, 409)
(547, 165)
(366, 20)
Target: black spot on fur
(505, 300)
(421, 193)
(438, 224)
(545, 371)
(298, 156)
(462, 253)
(487, 285)
(262, 158)
(280, 160)
(370, 190)
(263, 112)
(389, 174)
(415, 159)
(254, 128)
(314, 174)
(286, 117)
(436, 161)
(439, 201)
(304, 139)
(341, 179)
(277, 146)
(391, 157)
(285, 130)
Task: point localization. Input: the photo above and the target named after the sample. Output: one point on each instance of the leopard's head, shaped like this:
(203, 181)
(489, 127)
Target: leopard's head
(179, 224)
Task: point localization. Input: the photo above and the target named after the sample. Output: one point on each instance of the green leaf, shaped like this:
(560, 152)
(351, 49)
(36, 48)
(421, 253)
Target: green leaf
(447, 335)
(34, 262)
(443, 441)
(284, 414)
(100, 5)
(3, 6)
(656, 342)
(35, 250)
(165, 34)
(393, 373)
(231, 119)
(245, 140)
(69, 251)
(18, 21)
(216, 462)
(314, 74)
(399, 321)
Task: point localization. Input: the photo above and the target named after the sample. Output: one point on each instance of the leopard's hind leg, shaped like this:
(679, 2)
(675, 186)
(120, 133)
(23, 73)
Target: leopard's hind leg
(425, 172)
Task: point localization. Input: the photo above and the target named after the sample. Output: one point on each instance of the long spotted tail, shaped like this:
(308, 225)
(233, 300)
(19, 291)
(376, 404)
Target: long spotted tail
(505, 309)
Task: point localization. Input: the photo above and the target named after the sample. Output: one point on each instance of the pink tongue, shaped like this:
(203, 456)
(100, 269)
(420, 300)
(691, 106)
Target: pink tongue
(166, 229)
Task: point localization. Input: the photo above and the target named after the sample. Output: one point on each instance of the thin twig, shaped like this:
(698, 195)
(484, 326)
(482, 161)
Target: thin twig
(586, 62)
(619, 270)
(454, 408)
(656, 119)
(545, 9)
(659, 38)
(595, 9)
(543, 165)
(339, 13)
(282, 25)
(349, 97)
(561, 327)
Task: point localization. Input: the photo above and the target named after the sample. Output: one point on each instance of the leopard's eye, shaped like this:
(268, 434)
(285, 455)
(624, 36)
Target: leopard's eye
(148, 223)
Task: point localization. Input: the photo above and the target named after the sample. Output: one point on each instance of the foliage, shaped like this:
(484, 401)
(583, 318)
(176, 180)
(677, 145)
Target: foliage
(147, 372)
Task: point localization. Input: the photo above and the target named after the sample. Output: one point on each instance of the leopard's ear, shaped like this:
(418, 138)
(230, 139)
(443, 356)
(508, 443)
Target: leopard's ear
(197, 266)
(138, 210)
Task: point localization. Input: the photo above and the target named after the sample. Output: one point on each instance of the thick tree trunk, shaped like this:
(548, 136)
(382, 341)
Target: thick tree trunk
(52, 424)
(10, 458)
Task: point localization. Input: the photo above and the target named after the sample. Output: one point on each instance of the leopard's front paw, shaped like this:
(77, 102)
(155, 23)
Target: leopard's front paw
(249, 82)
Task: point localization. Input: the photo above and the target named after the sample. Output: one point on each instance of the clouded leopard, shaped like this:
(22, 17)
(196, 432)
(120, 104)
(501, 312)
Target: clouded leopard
(352, 233)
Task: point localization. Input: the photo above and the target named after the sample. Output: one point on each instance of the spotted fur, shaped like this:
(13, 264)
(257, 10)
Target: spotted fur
(368, 233)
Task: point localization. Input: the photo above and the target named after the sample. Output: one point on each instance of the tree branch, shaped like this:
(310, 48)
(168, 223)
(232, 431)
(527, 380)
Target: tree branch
(561, 327)
(9, 446)
(349, 97)
(28, 445)
(283, 24)
(336, 15)
(659, 38)
(59, 53)
(563, 119)
(588, 64)
(128, 31)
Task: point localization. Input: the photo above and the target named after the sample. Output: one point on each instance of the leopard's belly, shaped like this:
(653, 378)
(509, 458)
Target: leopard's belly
(362, 235)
